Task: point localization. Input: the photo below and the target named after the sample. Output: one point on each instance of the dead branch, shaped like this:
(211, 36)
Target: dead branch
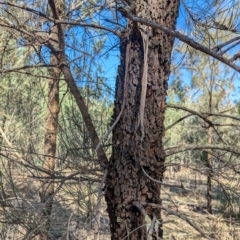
(178, 214)
(183, 38)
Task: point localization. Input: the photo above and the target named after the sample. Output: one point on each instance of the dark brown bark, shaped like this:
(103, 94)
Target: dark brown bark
(209, 156)
(126, 181)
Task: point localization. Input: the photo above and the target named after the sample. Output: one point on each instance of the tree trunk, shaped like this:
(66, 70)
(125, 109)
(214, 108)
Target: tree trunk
(47, 190)
(209, 156)
(135, 148)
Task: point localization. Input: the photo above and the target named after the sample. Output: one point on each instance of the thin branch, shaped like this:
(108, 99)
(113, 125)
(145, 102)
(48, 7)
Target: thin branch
(210, 123)
(218, 47)
(98, 206)
(92, 25)
(162, 183)
(235, 57)
(27, 67)
(56, 21)
(28, 32)
(24, 7)
(178, 121)
(229, 48)
(182, 37)
(150, 230)
(178, 214)
(221, 115)
(226, 163)
(204, 118)
(61, 177)
(182, 148)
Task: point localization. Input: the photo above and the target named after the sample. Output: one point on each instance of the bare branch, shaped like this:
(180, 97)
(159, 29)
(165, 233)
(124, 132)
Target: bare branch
(181, 37)
(182, 148)
(178, 214)
(24, 7)
(162, 183)
(178, 121)
(235, 57)
(92, 25)
(27, 67)
(221, 115)
(229, 48)
(218, 48)
(192, 112)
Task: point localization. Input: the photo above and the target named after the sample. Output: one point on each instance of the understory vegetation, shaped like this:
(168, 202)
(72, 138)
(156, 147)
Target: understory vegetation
(115, 126)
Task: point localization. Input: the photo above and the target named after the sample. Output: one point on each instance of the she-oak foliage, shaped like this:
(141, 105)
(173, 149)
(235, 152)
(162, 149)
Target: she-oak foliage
(47, 28)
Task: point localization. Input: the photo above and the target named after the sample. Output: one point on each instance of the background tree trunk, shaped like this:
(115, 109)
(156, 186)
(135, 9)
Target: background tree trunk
(126, 181)
(50, 142)
(47, 189)
(209, 156)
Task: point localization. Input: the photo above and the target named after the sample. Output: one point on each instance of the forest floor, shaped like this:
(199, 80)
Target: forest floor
(191, 203)
(73, 216)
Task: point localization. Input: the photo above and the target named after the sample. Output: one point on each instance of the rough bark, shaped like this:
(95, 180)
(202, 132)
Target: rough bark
(126, 181)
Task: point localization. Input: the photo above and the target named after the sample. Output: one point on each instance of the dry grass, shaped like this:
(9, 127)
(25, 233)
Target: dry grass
(74, 210)
(223, 224)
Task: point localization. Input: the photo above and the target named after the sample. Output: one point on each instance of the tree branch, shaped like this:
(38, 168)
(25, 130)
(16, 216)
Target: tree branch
(183, 38)
(178, 121)
(64, 66)
(218, 47)
(64, 22)
(204, 118)
(162, 183)
(178, 214)
(182, 148)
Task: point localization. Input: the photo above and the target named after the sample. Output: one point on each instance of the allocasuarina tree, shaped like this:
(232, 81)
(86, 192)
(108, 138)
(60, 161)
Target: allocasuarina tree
(140, 102)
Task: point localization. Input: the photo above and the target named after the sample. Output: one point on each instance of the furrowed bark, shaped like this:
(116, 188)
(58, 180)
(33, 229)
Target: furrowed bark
(126, 181)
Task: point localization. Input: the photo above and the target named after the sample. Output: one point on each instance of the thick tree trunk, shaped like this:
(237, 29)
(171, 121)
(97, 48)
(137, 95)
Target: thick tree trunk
(133, 147)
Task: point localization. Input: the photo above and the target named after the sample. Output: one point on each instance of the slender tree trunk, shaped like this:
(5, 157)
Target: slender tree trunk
(209, 157)
(50, 142)
(133, 147)
(47, 189)
(209, 185)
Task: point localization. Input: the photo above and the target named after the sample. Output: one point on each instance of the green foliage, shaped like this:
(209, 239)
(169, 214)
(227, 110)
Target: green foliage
(74, 141)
